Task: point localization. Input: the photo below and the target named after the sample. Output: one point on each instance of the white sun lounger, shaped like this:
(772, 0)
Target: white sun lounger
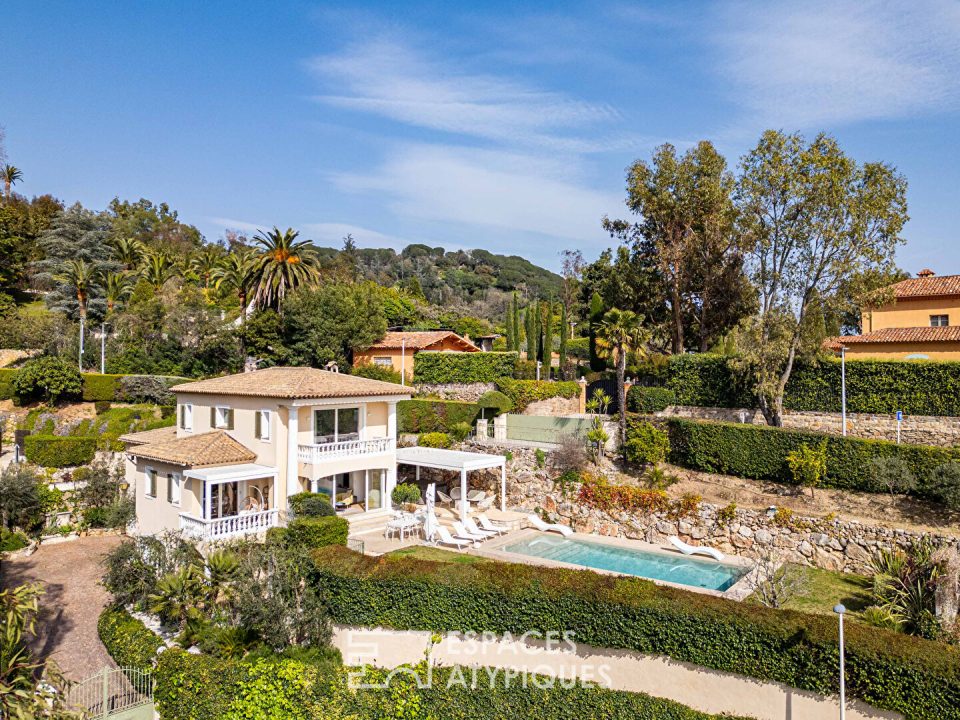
(445, 538)
(471, 526)
(462, 532)
(485, 524)
(695, 549)
(544, 527)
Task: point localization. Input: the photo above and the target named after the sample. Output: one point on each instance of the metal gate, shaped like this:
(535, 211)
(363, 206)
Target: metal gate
(609, 386)
(124, 694)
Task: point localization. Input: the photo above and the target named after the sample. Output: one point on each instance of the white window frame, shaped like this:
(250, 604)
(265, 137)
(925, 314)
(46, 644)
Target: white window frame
(223, 424)
(937, 316)
(186, 417)
(150, 482)
(361, 421)
(383, 361)
(174, 481)
(266, 417)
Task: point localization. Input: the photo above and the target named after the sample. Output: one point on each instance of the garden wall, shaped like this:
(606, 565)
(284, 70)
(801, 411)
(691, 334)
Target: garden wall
(463, 392)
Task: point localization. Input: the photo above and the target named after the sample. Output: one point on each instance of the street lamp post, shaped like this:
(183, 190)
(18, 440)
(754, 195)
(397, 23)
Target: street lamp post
(843, 387)
(103, 348)
(840, 610)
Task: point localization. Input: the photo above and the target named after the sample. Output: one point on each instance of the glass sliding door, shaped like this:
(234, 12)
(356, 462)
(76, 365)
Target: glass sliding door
(375, 487)
(223, 500)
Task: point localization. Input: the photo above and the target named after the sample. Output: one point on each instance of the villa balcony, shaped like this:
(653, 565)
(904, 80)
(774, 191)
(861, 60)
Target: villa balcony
(316, 454)
(250, 523)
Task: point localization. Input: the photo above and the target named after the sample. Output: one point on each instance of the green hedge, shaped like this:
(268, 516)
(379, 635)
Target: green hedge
(524, 392)
(100, 387)
(59, 451)
(916, 677)
(198, 686)
(451, 367)
(129, 642)
(707, 381)
(6, 383)
(312, 531)
(760, 452)
(429, 415)
(642, 399)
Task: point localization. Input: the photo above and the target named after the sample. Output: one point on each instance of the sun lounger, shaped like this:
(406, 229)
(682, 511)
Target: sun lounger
(462, 532)
(471, 526)
(546, 527)
(695, 549)
(487, 525)
(445, 538)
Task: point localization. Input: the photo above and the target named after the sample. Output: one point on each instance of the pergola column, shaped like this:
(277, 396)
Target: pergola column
(293, 432)
(464, 505)
(503, 486)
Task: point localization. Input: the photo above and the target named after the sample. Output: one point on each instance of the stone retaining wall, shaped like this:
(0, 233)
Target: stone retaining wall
(915, 429)
(465, 392)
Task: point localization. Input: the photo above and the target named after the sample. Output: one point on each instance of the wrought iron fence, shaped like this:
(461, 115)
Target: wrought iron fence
(111, 691)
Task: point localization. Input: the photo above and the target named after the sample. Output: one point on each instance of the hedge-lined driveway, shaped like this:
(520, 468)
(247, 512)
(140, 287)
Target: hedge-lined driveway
(69, 609)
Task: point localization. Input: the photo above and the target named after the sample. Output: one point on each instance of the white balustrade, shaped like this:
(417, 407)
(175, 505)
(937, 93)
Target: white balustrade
(315, 454)
(254, 522)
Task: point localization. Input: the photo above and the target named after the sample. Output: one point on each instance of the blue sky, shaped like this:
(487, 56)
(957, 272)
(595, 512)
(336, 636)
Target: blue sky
(489, 125)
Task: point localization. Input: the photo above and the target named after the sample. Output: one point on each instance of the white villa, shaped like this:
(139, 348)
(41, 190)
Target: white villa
(245, 443)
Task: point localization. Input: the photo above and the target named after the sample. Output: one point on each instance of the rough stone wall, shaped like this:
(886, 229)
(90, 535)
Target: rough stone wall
(555, 407)
(465, 392)
(916, 429)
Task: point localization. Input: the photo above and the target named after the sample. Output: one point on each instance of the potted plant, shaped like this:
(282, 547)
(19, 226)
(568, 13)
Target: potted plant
(406, 495)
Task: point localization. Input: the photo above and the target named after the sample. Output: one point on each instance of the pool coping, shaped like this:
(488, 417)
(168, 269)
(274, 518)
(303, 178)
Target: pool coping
(493, 549)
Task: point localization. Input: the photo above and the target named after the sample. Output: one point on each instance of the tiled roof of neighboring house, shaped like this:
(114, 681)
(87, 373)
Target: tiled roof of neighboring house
(293, 383)
(149, 436)
(929, 286)
(210, 448)
(422, 340)
(950, 333)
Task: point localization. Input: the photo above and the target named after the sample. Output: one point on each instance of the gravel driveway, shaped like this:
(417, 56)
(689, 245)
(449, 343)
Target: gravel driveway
(67, 624)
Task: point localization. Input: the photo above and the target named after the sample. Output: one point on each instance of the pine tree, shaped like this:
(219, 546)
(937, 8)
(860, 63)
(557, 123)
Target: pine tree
(564, 333)
(547, 338)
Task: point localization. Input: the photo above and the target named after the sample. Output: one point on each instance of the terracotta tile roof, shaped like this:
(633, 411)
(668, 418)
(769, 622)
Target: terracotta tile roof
(951, 333)
(422, 340)
(931, 286)
(292, 383)
(211, 448)
(149, 436)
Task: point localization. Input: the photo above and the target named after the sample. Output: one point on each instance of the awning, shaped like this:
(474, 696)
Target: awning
(232, 473)
(458, 460)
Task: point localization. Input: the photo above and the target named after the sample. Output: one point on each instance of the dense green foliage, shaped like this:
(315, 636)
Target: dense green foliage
(59, 451)
(312, 531)
(47, 378)
(129, 642)
(524, 392)
(434, 440)
(197, 686)
(919, 678)
(377, 372)
(309, 504)
(428, 415)
(477, 367)
(760, 452)
(101, 387)
(496, 401)
(641, 399)
(645, 443)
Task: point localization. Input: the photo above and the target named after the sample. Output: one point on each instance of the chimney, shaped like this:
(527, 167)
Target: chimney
(925, 273)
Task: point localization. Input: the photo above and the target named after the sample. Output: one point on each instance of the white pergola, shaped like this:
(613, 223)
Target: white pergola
(221, 474)
(459, 460)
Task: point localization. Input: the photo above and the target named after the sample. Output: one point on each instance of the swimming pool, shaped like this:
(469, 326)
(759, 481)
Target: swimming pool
(681, 570)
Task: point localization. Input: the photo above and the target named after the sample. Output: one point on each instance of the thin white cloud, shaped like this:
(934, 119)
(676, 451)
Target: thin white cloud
(828, 61)
(232, 224)
(332, 234)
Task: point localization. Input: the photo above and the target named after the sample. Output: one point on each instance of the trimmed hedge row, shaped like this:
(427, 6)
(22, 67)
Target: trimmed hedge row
(524, 392)
(96, 387)
(59, 451)
(452, 367)
(916, 677)
(6, 383)
(197, 686)
(917, 387)
(129, 642)
(312, 531)
(431, 415)
(760, 452)
(641, 399)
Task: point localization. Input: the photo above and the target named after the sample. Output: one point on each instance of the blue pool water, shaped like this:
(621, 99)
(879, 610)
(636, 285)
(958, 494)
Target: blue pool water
(654, 566)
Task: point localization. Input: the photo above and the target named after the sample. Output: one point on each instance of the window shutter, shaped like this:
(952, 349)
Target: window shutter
(169, 488)
(213, 417)
(230, 419)
(258, 424)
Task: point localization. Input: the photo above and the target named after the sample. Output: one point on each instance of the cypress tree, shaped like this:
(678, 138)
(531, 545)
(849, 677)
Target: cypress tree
(597, 363)
(509, 330)
(530, 316)
(564, 333)
(547, 338)
(516, 323)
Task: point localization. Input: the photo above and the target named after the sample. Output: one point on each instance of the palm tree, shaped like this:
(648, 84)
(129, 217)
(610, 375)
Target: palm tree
(620, 333)
(157, 268)
(236, 273)
(128, 251)
(117, 287)
(283, 264)
(80, 276)
(204, 263)
(10, 174)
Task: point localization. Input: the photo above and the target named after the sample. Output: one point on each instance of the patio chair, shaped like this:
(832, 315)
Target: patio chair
(476, 495)
(444, 499)
(489, 526)
(695, 549)
(471, 526)
(445, 538)
(462, 532)
(549, 527)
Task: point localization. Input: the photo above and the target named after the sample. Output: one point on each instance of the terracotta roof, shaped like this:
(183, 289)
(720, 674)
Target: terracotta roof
(423, 340)
(150, 436)
(950, 333)
(293, 383)
(211, 448)
(930, 286)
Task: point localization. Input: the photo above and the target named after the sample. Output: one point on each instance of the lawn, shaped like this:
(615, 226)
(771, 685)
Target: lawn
(424, 552)
(822, 589)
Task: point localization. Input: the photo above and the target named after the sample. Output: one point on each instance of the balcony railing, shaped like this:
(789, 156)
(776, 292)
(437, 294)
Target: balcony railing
(315, 454)
(230, 526)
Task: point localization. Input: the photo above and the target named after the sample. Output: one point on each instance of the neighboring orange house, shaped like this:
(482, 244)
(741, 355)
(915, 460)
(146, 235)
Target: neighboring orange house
(922, 323)
(396, 349)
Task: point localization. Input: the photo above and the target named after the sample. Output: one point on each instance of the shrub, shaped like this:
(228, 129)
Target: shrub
(569, 455)
(727, 514)
(429, 415)
(435, 368)
(708, 381)
(134, 567)
(434, 440)
(523, 392)
(97, 387)
(760, 452)
(22, 497)
(59, 451)
(6, 383)
(308, 504)
(405, 493)
(129, 642)
(646, 444)
(12, 540)
(316, 532)
(376, 372)
(944, 484)
(598, 493)
(47, 378)
(808, 465)
(916, 677)
(525, 370)
(151, 389)
(641, 399)
(496, 401)
(101, 406)
(459, 431)
(892, 473)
